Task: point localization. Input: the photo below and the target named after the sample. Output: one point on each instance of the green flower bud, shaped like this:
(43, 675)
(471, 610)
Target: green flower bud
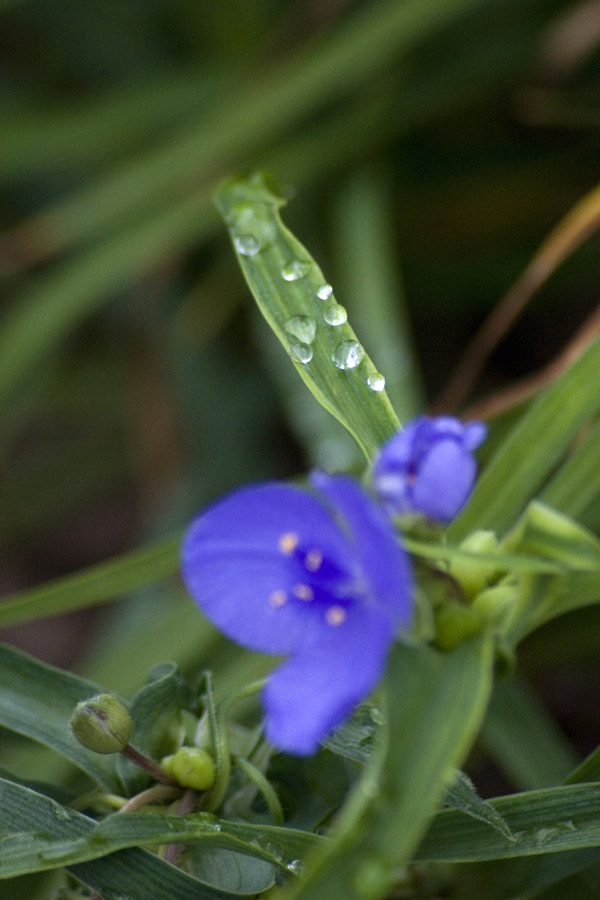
(455, 623)
(492, 602)
(191, 767)
(473, 574)
(102, 724)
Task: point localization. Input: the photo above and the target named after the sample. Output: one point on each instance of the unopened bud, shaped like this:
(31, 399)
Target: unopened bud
(191, 767)
(471, 573)
(102, 724)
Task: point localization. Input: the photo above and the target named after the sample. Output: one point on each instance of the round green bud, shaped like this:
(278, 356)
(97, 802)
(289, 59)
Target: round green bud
(454, 623)
(102, 724)
(191, 767)
(494, 601)
(473, 574)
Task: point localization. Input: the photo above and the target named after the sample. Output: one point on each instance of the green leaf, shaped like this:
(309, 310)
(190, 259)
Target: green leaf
(228, 870)
(135, 874)
(461, 795)
(523, 739)
(577, 482)
(547, 821)
(543, 531)
(355, 738)
(288, 299)
(37, 700)
(530, 452)
(434, 705)
(589, 770)
(46, 835)
(97, 584)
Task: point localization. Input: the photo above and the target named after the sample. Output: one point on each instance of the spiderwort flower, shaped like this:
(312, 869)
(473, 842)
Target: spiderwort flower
(319, 578)
(429, 467)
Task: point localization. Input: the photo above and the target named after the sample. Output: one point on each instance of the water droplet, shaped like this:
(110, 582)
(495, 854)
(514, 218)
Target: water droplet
(543, 834)
(376, 715)
(54, 854)
(376, 382)
(61, 813)
(255, 219)
(247, 244)
(274, 849)
(208, 821)
(348, 355)
(296, 866)
(295, 270)
(302, 327)
(335, 315)
(301, 353)
(324, 291)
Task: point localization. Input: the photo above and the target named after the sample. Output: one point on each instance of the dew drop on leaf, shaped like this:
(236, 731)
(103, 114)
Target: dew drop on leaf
(301, 353)
(302, 327)
(324, 291)
(295, 270)
(376, 382)
(246, 244)
(348, 355)
(335, 315)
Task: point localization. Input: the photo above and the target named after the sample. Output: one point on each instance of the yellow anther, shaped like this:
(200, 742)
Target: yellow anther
(335, 615)
(278, 598)
(303, 592)
(313, 560)
(288, 542)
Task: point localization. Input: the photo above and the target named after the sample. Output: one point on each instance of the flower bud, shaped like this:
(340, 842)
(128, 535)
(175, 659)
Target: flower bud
(495, 601)
(473, 574)
(102, 724)
(191, 767)
(454, 623)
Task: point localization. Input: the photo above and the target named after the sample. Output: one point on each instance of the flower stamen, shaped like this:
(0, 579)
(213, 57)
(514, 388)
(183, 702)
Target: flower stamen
(303, 592)
(278, 598)
(313, 559)
(335, 615)
(288, 542)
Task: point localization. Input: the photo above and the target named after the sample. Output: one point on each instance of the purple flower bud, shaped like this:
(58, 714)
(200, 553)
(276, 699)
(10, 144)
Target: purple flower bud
(429, 467)
(319, 578)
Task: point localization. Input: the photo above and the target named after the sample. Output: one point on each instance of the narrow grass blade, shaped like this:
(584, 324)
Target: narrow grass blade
(532, 449)
(297, 302)
(549, 821)
(97, 584)
(37, 701)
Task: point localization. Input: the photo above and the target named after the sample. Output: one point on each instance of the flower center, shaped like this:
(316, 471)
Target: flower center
(316, 580)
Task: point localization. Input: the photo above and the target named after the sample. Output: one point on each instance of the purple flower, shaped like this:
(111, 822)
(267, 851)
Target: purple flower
(429, 467)
(319, 578)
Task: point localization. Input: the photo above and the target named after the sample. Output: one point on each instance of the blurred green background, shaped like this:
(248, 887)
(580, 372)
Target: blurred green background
(431, 144)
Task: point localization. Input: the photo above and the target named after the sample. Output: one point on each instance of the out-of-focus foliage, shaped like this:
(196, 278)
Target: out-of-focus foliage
(433, 145)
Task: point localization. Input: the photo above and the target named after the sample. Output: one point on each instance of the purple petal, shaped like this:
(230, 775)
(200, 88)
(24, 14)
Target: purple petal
(445, 481)
(315, 691)
(235, 569)
(428, 467)
(474, 435)
(384, 563)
